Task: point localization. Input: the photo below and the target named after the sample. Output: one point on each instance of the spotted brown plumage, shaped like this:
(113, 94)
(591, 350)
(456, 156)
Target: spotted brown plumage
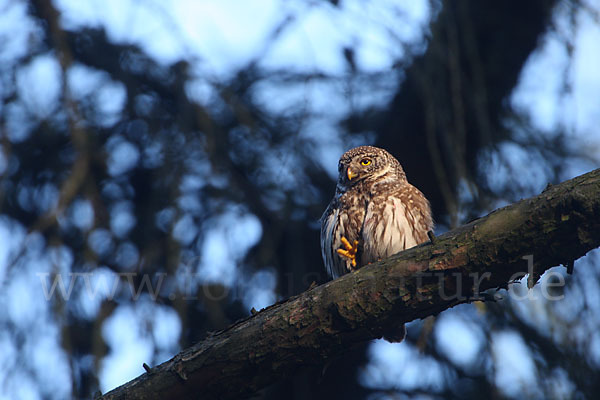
(374, 208)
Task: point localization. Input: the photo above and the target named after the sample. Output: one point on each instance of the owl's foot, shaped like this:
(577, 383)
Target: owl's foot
(349, 252)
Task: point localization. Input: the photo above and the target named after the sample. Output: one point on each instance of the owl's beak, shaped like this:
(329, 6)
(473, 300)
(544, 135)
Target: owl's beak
(351, 174)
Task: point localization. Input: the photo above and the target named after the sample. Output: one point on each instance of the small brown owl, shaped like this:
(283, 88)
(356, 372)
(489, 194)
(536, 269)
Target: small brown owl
(375, 212)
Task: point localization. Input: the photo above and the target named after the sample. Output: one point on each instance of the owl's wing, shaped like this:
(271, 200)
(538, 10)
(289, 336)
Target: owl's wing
(394, 223)
(331, 231)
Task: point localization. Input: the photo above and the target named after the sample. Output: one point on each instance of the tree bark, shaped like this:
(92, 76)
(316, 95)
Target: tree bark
(556, 227)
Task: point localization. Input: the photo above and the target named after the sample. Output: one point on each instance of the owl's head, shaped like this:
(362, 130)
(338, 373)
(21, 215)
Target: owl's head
(368, 163)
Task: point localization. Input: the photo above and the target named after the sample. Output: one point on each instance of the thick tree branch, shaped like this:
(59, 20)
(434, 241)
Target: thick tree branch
(556, 227)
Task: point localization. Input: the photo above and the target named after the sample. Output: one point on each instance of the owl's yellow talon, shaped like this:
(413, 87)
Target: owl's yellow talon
(349, 251)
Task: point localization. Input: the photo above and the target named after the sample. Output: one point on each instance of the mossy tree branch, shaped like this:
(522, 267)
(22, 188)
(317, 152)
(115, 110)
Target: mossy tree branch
(556, 227)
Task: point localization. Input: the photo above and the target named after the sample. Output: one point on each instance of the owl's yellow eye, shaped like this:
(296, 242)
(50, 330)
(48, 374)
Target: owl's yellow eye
(365, 162)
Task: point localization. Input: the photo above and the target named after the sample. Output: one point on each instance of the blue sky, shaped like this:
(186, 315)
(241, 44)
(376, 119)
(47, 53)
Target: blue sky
(219, 37)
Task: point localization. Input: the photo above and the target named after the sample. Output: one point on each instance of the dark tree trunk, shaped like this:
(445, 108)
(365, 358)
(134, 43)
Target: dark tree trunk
(556, 227)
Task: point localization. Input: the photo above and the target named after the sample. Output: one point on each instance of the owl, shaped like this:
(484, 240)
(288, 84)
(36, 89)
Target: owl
(374, 213)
